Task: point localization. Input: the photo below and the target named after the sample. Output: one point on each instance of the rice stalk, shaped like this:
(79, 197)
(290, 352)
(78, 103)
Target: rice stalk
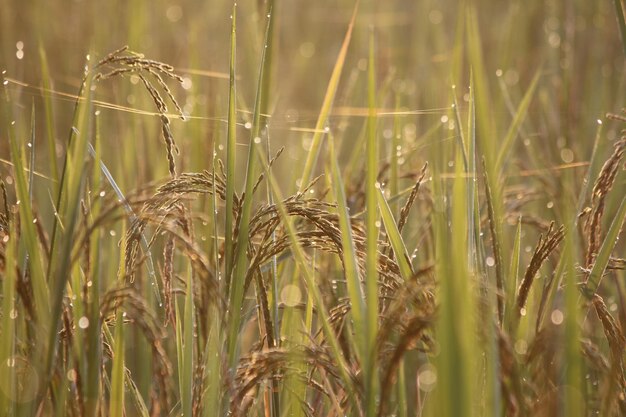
(601, 189)
(546, 245)
(495, 246)
(371, 238)
(236, 286)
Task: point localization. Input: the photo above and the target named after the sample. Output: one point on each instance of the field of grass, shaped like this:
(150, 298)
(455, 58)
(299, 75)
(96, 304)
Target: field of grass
(324, 208)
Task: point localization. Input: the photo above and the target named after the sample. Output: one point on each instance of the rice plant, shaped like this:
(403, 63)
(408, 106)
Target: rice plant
(312, 209)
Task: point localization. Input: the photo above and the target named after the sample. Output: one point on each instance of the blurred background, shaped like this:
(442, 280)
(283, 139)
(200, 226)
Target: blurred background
(575, 45)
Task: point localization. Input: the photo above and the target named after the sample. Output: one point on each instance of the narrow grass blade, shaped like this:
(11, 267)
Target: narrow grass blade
(116, 401)
(480, 85)
(266, 81)
(50, 131)
(455, 371)
(355, 290)
(31, 170)
(31, 145)
(70, 195)
(187, 358)
(128, 383)
(475, 243)
(573, 380)
(520, 115)
(140, 404)
(213, 366)
(512, 278)
(180, 343)
(621, 22)
(495, 244)
(399, 248)
(459, 125)
(394, 156)
(401, 388)
(94, 332)
(241, 261)
(273, 400)
(231, 151)
(28, 231)
(295, 324)
(322, 119)
(371, 237)
(9, 313)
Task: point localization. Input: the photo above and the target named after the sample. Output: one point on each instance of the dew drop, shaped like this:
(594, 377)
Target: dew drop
(556, 317)
(83, 323)
(427, 377)
(521, 347)
(567, 155)
(71, 375)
